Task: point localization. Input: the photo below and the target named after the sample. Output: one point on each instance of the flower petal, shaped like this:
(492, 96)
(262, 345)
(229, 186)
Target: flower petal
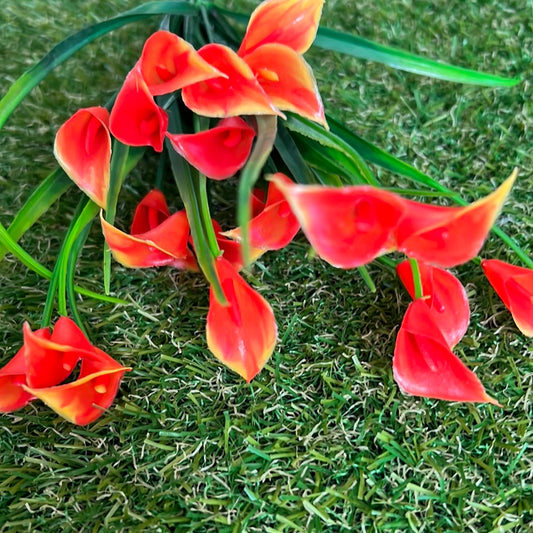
(424, 365)
(82, 147)
(12, 377)
(163, 245)
(83, 401)
(287, 80)
(514, 285)
(169, 63)
(275, 226)
(449, 236)
(136, 119)
(293, 23)
(242, 335)
(445, 297)
(219, 152)
(51, 358)
(237, 94)
(151, 211)
(347, 226)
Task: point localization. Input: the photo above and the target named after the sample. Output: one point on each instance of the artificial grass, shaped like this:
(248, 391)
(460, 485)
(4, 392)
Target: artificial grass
(322, 440)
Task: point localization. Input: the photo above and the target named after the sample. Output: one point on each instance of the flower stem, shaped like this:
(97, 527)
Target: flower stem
(417, 280)
(266, 135)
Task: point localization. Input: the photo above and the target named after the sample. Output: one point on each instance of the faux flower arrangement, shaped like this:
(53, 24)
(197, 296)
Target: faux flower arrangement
(216, 105)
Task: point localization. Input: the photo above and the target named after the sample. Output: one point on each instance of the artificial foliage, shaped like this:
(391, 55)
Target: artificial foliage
(219, 96)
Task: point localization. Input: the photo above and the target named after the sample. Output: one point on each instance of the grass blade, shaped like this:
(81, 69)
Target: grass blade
(66, 48)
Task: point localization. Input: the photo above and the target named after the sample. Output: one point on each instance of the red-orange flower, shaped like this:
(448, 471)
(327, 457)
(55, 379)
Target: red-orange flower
(82, 401)
(156, 238)
(347, 226)
(273, 226)
(169, 63)
(136, 119)
(83, 149)
(238, 93)
(242, 334)
(445, 297)
(293, 23)
(278, 33)
(219, 152)
(46, 359)
(514, 285)
(449, 236)
(424, 365)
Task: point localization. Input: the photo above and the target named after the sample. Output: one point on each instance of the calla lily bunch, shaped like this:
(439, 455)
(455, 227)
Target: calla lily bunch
(230, 110)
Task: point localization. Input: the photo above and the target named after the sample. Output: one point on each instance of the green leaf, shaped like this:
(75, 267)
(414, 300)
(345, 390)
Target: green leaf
(62, 51)
(363, 49)
(329, 139)
(291, 156)
(51, 188)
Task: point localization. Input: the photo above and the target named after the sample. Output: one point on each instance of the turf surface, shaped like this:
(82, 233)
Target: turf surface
(322, 440)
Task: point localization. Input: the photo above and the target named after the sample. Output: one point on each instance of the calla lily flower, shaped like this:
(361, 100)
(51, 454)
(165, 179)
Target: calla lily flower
(445, 297)
(84, 400)
(448, 236)
(242, 335)
(274, 226)
(514, 285)
(46, 359)
(12, 377)
(293, 23)
(238, 93)
(169, 63)
(424, 365)
(82, 147)
(162, 239)
(136, 119)
(287, 80)
(347, 226)
(219, 152)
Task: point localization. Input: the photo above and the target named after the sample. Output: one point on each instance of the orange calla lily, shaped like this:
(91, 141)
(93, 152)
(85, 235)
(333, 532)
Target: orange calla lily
(449, 236)
(51, 357)
(347, 226)
(82, 401)
(424, 365)
(151, 211)
(445, 297)
(219, 152)
(514, 285)
(293, 23)
(169, 63)
(82, 147)
(12, 377)
(274, 226)
(287, 80)
(164, 245)
(156, 238)
(136, 119)
(238, 93)
(242, 335)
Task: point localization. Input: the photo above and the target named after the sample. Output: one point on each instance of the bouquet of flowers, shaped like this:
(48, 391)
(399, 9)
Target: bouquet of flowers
(216, 104)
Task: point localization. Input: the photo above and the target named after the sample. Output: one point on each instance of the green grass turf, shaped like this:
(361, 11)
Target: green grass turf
(322, 440)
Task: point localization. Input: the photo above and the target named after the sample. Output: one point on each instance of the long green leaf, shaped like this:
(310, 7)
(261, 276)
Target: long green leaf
(330, 140)
(345, 43)
(50, 189)
(26, 259)
(62, 51)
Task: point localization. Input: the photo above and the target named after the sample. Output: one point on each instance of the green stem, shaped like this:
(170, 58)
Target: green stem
(209, 230)
(363, 271)
(417, 280)
(266, 135)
